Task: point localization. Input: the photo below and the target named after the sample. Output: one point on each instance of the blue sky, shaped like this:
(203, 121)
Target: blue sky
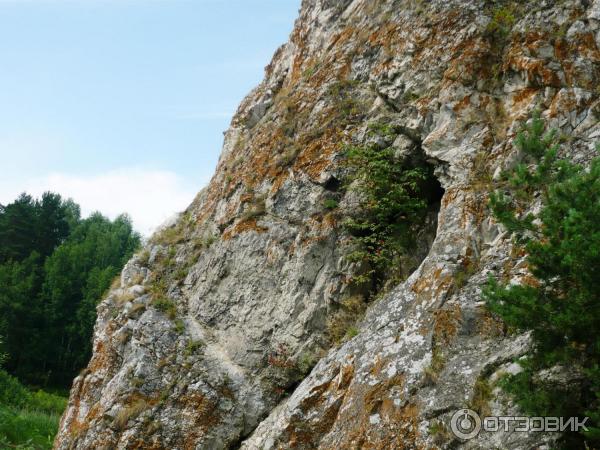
(121, 104)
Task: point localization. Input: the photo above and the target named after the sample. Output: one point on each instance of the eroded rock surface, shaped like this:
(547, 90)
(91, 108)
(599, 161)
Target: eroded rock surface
(205, 338)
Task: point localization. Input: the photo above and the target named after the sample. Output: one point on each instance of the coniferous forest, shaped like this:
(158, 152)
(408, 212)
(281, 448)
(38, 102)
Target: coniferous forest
(54, 267)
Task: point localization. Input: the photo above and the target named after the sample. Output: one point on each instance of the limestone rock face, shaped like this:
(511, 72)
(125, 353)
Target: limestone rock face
(209, 339)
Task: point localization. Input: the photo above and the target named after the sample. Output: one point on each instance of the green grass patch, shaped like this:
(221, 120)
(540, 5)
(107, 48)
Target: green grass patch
(166, 306)
(27, 428)
(28, 420)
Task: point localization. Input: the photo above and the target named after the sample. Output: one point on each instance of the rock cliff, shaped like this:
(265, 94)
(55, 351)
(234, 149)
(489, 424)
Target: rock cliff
(223, 332)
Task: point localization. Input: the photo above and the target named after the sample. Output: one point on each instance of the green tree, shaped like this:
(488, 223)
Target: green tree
(77, 274)
(17, 229)
(28, 225)
(394, 200)
(54, 267)
(3, 355)
(21, 314)
(561, 307)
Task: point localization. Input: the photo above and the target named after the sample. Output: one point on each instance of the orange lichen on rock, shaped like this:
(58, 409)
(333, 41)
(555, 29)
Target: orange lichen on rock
(244, 226)
(446, 324)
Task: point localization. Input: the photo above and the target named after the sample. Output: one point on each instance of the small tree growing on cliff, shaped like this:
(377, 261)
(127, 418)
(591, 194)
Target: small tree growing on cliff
(561, 306)
(392, 203)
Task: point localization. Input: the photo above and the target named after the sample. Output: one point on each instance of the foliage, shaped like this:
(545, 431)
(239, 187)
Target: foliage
(391, 205)
(27, 420)
(166, 306)
(330, 203)
(561, 305)
(341, 324)
(54, 267)
(12, 392)
(343, 95)
(2, 354)
(501, 23)
(29, 225)
(27, 429)
(46, 402)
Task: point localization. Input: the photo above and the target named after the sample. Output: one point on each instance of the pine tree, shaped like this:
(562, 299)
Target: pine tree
(561, 307)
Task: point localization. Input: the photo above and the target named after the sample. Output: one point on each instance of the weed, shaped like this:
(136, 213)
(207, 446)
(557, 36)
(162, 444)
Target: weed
(124, 297)
(256, 209)
(288, 156)
(166, 306)
(432, 372)
(410, 96)
(136, 310)
(351, 332)
(330, 203)
(482, 394)
(306, 362)
(129, 413)
(192, 347)
(179, 326)
(144, 258)
(462, 276)
(501, 24)
(439, 432)
(341, 325)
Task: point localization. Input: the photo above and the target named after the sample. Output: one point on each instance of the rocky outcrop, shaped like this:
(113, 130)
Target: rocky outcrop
(209, 338)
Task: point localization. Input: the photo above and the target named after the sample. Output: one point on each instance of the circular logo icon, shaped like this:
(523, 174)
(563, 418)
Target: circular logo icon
(465, 424)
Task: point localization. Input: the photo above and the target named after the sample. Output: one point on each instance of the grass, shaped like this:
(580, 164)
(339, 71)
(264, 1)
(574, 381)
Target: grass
(192, 347)
(288, 156)
(330, 203)
(166, 306)
(28, 420)
(179, 326)
(341, 325)
(307, 361)
(124, 297)
(130, 412)
(432, 372)
(482, 394)
(136, 310)
(256, 210)
(439, 432)
(27, 429)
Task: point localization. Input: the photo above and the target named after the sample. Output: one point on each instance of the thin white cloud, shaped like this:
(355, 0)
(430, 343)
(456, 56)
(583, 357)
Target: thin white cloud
(149, 196)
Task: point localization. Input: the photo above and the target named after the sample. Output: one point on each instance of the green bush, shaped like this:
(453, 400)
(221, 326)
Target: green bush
(27, 420)
(502, 22)
(561, 306)
(392, 204)
(12, 393)
(46, 402)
